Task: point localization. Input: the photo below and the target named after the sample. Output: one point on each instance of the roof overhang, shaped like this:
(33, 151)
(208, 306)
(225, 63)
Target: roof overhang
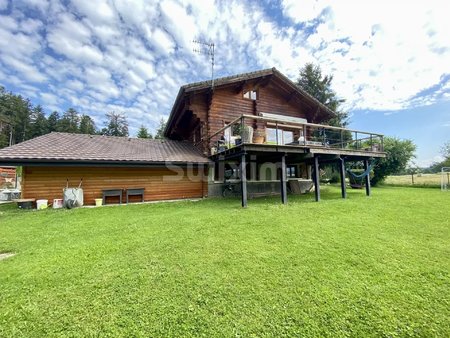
(18, 162)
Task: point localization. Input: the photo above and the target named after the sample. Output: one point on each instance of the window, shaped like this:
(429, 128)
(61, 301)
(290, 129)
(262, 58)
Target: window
(284, 136)
(251, 95)
(288, 136)
(291, 171)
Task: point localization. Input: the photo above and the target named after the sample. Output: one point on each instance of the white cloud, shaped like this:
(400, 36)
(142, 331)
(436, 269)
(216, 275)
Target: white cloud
(303, 10)
(426, 162)
(132, 56)
(41, 5)
(162, 41)
(3, 5)
(98, 11)
(391, 53)
(25, 70)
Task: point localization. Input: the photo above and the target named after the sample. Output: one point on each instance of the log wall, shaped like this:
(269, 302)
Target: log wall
(228, 103)
(159, 183)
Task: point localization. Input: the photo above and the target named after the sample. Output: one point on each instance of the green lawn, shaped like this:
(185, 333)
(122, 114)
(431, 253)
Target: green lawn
(359, 267)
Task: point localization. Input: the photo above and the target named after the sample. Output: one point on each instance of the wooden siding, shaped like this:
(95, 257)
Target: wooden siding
(159, 183)
(228, 103)
(272, 100)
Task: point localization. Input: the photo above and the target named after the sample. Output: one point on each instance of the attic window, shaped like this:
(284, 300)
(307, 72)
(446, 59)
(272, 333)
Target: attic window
(251, 95)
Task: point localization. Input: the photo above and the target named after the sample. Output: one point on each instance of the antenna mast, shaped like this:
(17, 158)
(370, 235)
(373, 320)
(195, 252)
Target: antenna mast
(206, 48)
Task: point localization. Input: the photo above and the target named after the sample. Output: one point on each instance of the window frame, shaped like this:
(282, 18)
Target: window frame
(250, 96)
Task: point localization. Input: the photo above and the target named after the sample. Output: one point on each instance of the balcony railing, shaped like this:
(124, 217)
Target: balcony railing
(249, 129)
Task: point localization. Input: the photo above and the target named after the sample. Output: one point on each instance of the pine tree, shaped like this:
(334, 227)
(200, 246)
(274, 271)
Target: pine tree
(53, 121)
(38, 122)
(70, 121)
(87, 125)
(117, 125)
(319, 86)
(160, 131)
(143, 133)
(15, 112)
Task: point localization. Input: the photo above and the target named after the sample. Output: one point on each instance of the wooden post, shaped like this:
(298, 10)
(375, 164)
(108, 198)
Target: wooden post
(342, 172)
(283, 180)
(304, 134)
(367, 178)
(316, 178)
(243, 182)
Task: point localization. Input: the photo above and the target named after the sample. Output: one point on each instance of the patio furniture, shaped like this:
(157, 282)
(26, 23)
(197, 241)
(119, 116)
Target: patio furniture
(135, 192)
(112, 193)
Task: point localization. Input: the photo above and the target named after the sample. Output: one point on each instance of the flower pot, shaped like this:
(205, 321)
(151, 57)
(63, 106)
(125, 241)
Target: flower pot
(258, 139)
(98, 202)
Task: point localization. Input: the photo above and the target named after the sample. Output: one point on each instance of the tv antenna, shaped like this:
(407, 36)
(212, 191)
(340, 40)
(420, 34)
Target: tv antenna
(206, 48)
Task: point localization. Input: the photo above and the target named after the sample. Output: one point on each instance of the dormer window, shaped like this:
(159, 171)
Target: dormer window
(250, 95)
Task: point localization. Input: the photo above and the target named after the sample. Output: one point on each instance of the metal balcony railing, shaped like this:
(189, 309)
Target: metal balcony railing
(249, 129)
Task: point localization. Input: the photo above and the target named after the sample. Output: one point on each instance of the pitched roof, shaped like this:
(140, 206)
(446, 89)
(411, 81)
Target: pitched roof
(80, 148)
(198, 86)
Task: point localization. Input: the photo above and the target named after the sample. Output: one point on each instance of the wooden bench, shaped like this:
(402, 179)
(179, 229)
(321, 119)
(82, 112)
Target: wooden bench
(112, 193)
(135, 192)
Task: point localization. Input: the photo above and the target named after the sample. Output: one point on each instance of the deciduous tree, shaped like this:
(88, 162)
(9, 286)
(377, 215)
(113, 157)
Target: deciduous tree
(399, 153)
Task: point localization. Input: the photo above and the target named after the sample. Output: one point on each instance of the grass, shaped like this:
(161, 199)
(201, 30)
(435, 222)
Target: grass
(421, 180)
(359, 267)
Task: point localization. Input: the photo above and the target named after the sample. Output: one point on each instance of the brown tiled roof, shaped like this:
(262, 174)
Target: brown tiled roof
(65, 147)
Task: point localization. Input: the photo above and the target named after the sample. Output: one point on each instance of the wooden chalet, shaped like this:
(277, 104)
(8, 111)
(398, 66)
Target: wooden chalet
(266, 133)
(252, 134)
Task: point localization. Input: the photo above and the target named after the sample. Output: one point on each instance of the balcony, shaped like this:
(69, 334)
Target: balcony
(287, 134)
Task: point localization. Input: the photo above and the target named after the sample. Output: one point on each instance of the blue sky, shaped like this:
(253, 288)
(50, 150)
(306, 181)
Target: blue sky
(390, 59)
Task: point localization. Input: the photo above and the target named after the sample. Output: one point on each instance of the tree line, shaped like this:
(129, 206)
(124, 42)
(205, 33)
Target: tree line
(20, 120)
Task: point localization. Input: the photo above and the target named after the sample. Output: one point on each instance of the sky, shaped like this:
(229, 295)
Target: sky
(390, 59)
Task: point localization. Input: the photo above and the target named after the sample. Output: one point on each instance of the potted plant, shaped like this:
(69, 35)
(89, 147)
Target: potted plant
(258, 136)
(245, 133)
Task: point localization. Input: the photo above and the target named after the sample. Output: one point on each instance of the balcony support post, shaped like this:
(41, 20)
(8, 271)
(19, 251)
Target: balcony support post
(342, 174)
(243, 181)
(316, 178)
(283, 180)
(367, 178)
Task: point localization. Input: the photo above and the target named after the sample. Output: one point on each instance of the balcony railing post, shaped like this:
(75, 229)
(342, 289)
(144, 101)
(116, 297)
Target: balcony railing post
(242, 129)
(356, 140)
(342, 139)
(304, 134)
(276, 131)
(382, 145)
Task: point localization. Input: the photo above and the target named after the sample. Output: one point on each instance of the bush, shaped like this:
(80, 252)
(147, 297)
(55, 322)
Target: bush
(399, 153)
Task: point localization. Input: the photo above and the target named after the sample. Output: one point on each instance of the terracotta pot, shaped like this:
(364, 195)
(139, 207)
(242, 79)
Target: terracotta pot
(258, 139)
